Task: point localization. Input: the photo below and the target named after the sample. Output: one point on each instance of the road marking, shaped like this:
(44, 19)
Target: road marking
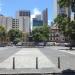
(26, 58)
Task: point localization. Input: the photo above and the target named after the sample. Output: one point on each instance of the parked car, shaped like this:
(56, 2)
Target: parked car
(72, 44)
(2, 44)
(19, 44)
(60, 44)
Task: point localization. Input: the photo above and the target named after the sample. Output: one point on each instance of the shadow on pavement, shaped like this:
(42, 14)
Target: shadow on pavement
(68, 72)
(67, 49)
(64, 72)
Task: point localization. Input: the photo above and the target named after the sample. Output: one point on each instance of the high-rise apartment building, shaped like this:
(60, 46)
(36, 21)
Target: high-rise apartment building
(9, 23)
(24, 20)
(37, 23)
(39, 17)
(6, 22)
(45, 17)
(21, 22)
(3, 21)
(15, 23)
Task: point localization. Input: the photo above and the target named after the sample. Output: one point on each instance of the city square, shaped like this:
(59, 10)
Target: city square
(25, 58)
(39, 39)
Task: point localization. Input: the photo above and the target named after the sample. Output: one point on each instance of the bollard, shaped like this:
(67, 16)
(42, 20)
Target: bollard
(13, 62)
(59, 62)
(36, 62)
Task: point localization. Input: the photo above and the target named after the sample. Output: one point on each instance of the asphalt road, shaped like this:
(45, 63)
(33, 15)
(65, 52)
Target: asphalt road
(67, 60)
(7, 52)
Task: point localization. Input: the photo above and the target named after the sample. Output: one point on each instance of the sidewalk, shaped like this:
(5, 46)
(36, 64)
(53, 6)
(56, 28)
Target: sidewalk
(66, 49)
(3, 48)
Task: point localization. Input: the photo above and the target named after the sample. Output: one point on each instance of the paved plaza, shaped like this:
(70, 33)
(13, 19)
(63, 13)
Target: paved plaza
(26, 58)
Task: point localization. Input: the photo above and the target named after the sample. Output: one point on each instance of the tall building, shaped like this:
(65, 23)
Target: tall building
(3, 21)
(15, 23)
(63, 10)
(37, 23)
(9, 23)
(39, 17)
(6, 22)
(45, 17)
(24, 20)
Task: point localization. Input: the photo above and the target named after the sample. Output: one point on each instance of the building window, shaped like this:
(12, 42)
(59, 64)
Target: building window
(57, 35)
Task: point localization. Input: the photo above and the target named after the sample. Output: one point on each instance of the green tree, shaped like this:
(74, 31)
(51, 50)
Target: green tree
(65, 3)
(66, 27)
(71, 24)
(2, 34)
(15, 35)
(62, 21)
(41, 34)
(72, 30)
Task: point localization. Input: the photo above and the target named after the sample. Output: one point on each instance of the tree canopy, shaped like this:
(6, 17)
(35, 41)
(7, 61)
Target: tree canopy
(15, 35)
(2, 33)
(40, 34)
(62, 21)
(66, 26)
(64, 3)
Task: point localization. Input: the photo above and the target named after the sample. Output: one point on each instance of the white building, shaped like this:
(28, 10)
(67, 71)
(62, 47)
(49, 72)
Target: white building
(15, 23)
(3, 21)
(45, 16)
(9, 23)
(6, 22)
(24, 20)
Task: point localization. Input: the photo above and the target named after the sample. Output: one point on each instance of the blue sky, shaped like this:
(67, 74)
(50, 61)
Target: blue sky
(9, 7)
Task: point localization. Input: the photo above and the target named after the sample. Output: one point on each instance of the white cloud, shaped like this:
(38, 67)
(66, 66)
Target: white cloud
(49, 22)
(35, 12)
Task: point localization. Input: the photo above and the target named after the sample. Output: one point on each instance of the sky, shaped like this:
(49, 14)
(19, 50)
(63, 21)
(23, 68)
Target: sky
(9, 7)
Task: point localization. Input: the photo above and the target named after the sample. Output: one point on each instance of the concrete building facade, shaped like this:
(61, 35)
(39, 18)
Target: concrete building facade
(37, 23)
(45, 16)
(6, 22)
(15, 23)
(21, 22)
(24, 20)
(9, 23)
(39, 17)
(3, 21)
